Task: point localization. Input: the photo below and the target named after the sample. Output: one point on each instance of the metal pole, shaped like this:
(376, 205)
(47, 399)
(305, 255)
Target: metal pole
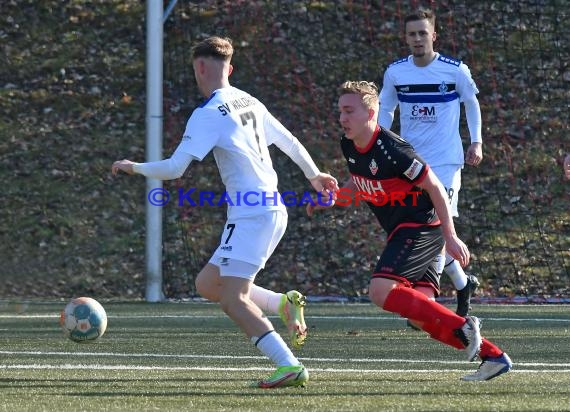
(154, 123)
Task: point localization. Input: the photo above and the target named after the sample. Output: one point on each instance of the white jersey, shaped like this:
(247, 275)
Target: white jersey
(429, 99)
(239, 129)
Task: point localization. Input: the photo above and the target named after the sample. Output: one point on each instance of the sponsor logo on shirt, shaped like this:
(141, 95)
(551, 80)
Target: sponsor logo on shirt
(425, 114)
(351, 160)
(414, 170)
(369, 186)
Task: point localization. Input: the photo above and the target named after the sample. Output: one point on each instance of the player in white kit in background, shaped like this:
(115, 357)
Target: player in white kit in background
(238, 128)
(429, 87)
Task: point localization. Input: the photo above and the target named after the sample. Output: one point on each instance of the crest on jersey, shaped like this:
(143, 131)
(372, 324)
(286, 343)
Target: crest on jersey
(373, 167)
(443, 88)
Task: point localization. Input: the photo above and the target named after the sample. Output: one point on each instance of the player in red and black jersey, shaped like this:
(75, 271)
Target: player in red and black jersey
(388, 170)
(412, 206)
(389, 175)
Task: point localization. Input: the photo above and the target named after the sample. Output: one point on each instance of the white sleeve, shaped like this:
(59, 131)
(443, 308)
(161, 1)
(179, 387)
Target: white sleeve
(473, 115)
(388, 102)
(297, 152)
(467, 90)
(167, 169)
(290, 145)
(200, 137)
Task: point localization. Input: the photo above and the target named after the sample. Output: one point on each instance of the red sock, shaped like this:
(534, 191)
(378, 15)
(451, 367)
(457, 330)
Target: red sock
(489, 349)
(412, 304)
(438, 332)
(435, 318)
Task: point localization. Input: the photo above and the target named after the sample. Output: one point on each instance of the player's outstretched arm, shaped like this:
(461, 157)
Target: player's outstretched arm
(166, 169)
(324, 183)
(327, 185)
(315, 206)
(124, 165)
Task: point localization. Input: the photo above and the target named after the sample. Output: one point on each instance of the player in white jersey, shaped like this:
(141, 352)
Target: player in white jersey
(238, 128)
(429, 87)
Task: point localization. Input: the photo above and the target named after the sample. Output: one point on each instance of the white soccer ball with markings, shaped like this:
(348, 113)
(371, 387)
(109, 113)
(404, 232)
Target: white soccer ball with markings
(83, 320)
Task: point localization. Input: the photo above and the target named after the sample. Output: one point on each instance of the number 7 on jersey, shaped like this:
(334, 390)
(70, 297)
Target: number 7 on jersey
(247, 116)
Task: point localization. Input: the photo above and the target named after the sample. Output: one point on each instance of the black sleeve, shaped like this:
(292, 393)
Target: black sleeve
(403, 159)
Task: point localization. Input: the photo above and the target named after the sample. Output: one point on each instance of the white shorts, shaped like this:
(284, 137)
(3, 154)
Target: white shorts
(248, 242)
(450, 177)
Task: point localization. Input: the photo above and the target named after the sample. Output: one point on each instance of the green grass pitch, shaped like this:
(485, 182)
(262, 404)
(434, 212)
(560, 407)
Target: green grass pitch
(189, 356)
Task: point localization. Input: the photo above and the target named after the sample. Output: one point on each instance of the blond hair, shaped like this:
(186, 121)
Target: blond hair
(368, 91)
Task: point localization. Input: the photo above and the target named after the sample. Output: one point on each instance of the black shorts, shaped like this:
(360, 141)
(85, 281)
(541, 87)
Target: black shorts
(409, 257)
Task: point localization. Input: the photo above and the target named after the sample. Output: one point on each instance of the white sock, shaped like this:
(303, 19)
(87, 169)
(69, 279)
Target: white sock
(455, 272)
(265, 299)
(274, 347)
(440, 263)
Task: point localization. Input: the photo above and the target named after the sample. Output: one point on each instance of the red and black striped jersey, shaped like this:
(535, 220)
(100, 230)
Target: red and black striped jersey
(386, 173)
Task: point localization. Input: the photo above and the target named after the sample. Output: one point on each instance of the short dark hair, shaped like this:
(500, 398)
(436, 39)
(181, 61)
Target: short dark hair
(421, 14)
(219, 48)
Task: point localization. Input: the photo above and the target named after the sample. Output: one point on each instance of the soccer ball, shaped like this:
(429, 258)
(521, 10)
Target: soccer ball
(83, 319)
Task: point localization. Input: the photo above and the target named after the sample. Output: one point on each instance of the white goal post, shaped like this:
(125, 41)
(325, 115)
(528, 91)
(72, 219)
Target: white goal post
(155, 17)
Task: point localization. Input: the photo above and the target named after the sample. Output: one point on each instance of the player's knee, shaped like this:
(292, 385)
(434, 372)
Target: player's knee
(232, 303)
(379, 290)
(226, 306)
(205, 289)
(377, 296)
